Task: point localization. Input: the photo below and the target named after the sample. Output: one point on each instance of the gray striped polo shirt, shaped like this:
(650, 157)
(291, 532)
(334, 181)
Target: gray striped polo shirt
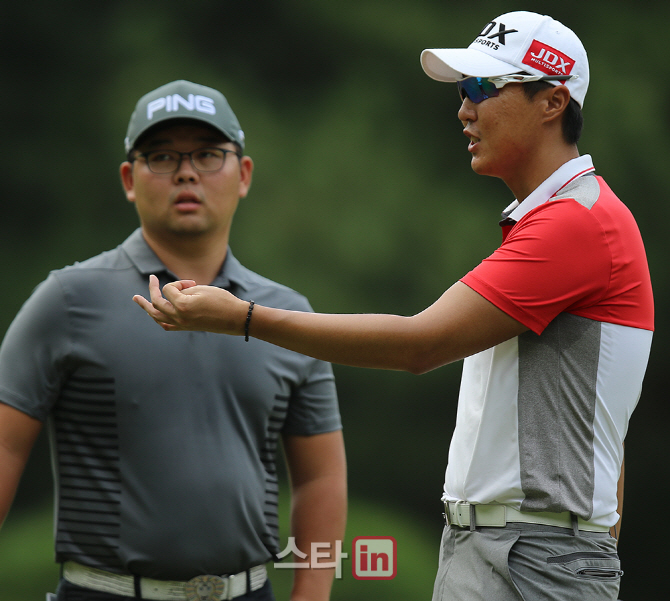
(164, 444)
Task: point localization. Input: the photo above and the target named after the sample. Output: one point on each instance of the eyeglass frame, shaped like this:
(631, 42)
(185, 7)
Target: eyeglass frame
(499, 81)
(225, 151)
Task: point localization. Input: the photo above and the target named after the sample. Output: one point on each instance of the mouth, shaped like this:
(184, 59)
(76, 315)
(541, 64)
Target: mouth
(474, 140)
(187, 202)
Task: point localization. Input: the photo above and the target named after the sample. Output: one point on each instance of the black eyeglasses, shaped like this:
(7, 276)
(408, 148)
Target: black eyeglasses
(202, 159)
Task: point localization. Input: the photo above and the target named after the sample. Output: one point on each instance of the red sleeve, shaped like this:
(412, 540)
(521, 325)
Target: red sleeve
(555, 259)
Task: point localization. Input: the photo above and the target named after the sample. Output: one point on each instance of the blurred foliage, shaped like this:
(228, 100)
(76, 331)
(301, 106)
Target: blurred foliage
(27, 568)
(363, 198)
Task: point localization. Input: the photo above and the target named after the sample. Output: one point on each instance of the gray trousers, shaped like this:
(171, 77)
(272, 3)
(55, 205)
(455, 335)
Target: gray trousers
(526, 562)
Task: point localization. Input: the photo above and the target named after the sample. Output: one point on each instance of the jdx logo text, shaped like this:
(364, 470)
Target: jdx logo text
(485, 37)
(548, 59)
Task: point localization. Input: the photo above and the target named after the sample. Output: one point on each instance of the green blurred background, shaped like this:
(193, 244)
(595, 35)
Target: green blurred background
(363, 199)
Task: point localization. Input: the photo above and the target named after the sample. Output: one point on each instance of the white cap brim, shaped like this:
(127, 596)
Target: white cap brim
(455, 64)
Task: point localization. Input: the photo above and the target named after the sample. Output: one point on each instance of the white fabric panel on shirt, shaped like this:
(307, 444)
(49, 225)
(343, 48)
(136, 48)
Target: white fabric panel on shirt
(618, 390)
(478, 471)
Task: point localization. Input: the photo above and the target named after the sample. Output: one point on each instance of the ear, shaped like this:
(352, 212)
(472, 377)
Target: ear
(246, 171)
(557, 100)
(127, 180)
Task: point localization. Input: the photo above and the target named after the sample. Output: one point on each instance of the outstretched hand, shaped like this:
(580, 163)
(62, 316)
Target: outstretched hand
(183, 305)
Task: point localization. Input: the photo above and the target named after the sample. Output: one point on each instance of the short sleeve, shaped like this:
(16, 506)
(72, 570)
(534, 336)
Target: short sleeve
(313, 407)
(34, 351)
(556, 259)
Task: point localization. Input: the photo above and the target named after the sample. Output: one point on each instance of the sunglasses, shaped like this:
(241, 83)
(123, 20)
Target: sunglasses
(481, 88)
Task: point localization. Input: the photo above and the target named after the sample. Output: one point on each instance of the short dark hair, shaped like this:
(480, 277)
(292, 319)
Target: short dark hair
(573, 119)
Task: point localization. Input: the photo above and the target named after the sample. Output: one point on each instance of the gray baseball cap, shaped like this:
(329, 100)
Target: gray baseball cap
(183, 100)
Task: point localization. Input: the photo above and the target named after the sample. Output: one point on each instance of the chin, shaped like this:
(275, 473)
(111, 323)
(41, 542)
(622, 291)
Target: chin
(188, 230)
(478, 166)
(481, 167)
(189, 224)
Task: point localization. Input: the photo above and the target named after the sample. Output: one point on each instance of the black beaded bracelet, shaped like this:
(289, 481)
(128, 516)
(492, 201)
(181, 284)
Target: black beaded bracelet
(246, 324)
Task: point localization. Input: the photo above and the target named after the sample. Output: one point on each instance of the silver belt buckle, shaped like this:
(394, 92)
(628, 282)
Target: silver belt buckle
(205, 588)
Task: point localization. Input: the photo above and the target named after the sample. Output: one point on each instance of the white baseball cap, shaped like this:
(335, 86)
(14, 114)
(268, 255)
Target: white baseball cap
(515, 42)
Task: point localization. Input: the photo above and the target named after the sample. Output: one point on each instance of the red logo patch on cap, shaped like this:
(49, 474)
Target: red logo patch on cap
(548, 59)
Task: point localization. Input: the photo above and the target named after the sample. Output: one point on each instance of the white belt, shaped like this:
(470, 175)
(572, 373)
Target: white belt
(200, 588)
(459, 513)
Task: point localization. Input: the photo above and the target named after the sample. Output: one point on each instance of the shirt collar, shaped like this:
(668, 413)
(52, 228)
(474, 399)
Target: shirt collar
(146, 262)
(550, 186)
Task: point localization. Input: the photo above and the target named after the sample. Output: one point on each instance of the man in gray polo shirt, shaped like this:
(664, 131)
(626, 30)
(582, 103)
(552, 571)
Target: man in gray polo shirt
(165, 471)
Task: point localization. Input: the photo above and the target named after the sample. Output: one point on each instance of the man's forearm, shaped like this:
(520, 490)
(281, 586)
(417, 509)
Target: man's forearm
(460, 323)
(318, 519)
(318, 471)
(18, 432)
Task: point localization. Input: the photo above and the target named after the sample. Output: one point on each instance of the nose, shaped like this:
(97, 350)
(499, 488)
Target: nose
(467, 112)
(186, 172)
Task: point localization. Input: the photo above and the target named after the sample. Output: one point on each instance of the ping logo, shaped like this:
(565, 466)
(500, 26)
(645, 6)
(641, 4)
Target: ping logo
(374, 558)
(172, 102)
(548, 59)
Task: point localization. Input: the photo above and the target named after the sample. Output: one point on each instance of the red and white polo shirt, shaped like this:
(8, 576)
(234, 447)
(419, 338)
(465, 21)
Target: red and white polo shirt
(542, 417)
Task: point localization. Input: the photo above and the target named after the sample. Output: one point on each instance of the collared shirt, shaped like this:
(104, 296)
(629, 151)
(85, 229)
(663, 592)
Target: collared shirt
(541, 417)
(560, 178)
(231, 274)
(164, 443)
